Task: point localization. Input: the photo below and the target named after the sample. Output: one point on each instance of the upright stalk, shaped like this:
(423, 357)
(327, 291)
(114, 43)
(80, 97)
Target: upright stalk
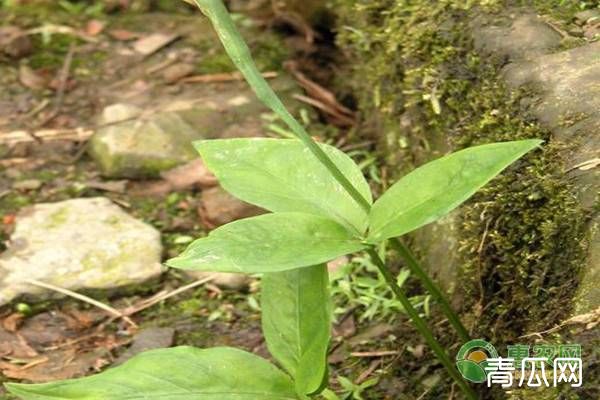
(238, 51)
(422, 326)
(431, 287)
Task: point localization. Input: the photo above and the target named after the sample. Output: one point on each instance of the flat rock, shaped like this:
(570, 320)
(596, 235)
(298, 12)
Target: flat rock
(153, 132)
(566, 100)
(176, 72)
(517, 36)
(77, 244)
(141, 146)
(148, 339)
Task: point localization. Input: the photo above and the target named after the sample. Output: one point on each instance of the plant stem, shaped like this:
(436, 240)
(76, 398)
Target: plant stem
(421, 325)
(431, 287)
(238, 51)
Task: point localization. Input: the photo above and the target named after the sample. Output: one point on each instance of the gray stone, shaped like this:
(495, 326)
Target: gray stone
(118, 113)
(566, 98)
(566, 89)
(176, 72)
(77, 244)
(27, 184)
(440, 242)
(519, 37)
(153, 132)
(587, 16)
(148, 339)
(142, 147)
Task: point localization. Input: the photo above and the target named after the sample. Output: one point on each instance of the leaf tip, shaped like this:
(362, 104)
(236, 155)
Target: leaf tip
(535, 142)
(175, 262)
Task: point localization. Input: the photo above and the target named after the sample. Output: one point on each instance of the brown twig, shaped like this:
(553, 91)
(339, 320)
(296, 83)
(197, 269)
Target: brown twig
(83, 298)
(365, 374)
(591, 319)
(322, 98)
(63, 78)
(368, 354)
(163, 296)
(77, 134)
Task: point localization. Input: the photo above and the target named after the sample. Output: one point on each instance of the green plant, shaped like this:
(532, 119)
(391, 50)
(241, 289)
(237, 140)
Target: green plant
(359, 285)
(82, 8)
(322, 208)
(350, 390)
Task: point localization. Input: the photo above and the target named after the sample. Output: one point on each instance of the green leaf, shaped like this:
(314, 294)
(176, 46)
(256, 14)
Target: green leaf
(268, 243)
(296, 322)
(220, 373)
(283, 175)
(433, 190)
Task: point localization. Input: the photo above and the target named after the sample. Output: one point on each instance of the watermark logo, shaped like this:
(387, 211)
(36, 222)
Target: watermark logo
(525, 366)
(473, 358)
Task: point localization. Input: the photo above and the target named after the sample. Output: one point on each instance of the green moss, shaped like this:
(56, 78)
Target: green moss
(57, 218)
(13, 202)
(424, 90)
(560, 9)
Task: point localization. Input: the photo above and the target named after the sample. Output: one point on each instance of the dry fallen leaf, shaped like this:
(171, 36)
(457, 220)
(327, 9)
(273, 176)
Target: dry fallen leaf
(12, 322)
(31, 79)
(176, 72)
(8, 219)
(152, 43)
(94, 27)
(14, 42)
(190, 174)
(57, 365)
(123, 35)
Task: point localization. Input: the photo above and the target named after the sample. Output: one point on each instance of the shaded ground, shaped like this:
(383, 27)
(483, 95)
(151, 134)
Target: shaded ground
(54, 87)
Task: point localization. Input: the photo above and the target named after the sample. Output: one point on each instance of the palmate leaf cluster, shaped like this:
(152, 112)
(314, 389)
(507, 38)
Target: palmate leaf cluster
(312, 220)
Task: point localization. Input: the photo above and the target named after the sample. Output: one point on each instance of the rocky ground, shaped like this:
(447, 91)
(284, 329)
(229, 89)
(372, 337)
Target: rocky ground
(99, 184)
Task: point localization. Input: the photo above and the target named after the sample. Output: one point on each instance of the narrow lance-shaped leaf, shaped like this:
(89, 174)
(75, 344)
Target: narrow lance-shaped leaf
(296, 321)
(433, 190)
(268, 243)
(188, 373)
(239, 53)
(282, 175)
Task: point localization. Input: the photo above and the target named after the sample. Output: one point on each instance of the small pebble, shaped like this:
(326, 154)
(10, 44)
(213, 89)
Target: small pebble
(176, 72)
(27, 184)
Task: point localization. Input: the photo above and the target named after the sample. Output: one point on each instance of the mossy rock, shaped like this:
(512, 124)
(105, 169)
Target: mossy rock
(142, 147)
(77, 244)
(425, 90)
(134, 143)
